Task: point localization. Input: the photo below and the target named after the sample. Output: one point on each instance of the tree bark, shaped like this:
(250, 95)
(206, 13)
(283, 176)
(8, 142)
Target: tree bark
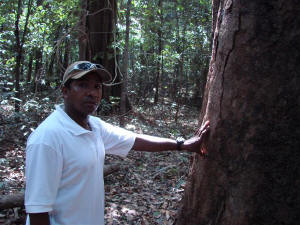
(19, 48)
(251, 175)
(159, 53)
(99, 38)
(29, 69)
(82, 32)
(38, 70)
(125, 67)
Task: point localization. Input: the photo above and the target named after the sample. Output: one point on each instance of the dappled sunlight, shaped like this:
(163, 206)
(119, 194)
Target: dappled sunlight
(130, 127)
(128, 211)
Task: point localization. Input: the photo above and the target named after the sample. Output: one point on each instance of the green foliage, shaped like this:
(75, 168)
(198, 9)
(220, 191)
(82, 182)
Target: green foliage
(185, 36)
(182, 27)
(47, 25)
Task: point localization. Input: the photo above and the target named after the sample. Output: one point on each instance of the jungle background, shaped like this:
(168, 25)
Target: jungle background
(158, 52)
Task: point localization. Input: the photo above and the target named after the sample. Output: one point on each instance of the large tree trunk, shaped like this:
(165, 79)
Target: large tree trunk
(251, 175)
(96, 34)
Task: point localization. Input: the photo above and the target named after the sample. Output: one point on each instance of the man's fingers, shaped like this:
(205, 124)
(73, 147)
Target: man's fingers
(204, 132)
(197, 133)
(203, 129)
(200, 129)
(205, 125)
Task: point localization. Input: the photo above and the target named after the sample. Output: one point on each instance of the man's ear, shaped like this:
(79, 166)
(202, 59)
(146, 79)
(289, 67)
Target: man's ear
(64, 91)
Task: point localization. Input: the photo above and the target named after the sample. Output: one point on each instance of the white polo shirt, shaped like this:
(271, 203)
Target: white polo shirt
(64, 168)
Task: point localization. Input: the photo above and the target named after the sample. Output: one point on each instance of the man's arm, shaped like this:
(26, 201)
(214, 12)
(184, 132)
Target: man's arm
(157, 144)
(153, 144)
(39, 218)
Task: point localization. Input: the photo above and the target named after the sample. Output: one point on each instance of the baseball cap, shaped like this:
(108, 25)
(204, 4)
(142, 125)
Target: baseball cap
(80, 68)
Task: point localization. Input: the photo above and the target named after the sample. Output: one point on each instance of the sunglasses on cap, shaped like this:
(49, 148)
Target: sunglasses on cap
(86, 66)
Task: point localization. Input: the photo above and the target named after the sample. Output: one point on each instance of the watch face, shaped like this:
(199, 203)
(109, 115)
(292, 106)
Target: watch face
(180, 139)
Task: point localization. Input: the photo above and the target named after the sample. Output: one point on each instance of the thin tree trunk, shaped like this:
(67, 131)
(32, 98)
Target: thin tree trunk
(50, 69)
(66, 53)
(180, 69)
(29, 69)
(49, 73)
(82, 32)
(159, 61)
(200, 85)
(38, 70)
(19, 56)
(19, 47)
(251, 175)
(125, 66)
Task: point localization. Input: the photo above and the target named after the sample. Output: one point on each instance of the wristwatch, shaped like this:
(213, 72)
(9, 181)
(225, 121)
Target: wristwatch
(179, 142)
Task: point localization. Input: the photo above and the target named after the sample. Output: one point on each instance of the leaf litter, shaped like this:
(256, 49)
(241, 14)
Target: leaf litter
(145, 191)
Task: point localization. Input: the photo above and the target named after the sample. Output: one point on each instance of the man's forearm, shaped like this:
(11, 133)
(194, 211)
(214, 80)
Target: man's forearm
(157, 144)
(153, 144)
(39, 218)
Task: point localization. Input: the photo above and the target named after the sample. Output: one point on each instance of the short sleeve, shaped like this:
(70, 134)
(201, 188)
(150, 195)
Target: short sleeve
(43, 173)
(116, 140)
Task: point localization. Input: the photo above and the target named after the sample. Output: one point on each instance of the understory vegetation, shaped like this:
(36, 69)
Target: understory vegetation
(148, 187)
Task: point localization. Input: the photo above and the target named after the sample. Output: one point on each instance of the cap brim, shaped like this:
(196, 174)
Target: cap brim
(104, 75)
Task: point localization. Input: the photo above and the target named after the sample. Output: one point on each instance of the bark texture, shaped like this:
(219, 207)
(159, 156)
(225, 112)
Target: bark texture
(251, 175)
(124, 97)
(96, 35)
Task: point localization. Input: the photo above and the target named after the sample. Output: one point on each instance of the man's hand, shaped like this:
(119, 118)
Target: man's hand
(194, 144)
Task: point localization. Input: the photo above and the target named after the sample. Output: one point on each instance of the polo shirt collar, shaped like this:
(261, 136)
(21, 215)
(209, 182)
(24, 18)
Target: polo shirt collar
(68, 123)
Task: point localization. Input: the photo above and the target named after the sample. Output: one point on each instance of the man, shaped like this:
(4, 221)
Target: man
(65, 154)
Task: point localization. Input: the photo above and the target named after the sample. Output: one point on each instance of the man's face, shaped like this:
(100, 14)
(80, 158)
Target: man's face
(84, 95)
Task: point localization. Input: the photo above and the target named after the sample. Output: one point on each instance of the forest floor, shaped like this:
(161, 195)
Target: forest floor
(146, 190)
